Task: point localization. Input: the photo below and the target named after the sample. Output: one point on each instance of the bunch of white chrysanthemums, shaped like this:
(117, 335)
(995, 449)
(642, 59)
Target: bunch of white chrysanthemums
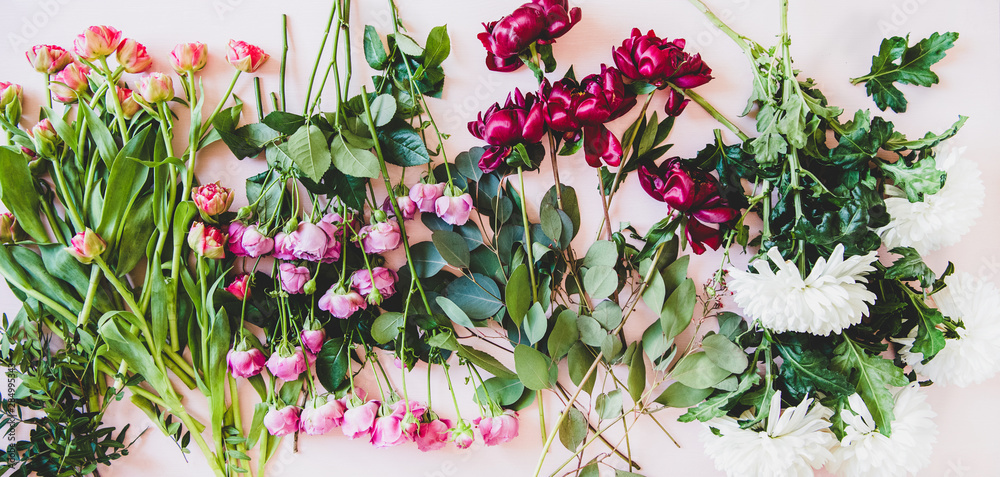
(832, 298)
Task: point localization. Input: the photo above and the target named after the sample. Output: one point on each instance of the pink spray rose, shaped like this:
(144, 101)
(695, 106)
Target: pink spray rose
(293, 279)
(409, 419)
(255, 243)
(282, 422)
(234, 242)
(239, 286)
(331, 225)
(341, 302)
(424, 195)
(381, 236)
(463, 435)
(97, 42)
(283, 247)
(309, 242)
(433, 435)
(287, 368)
(380, 278)
(189, 57)
(387, 432)
(245, 57)
(244, 364)
(359, 420)
(407, 207)
(499, 429)
(454, 209)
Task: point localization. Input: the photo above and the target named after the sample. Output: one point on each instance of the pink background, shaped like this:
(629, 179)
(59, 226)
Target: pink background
(833, 41)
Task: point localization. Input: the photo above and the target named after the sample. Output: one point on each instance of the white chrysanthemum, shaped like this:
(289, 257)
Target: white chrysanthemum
(865, 452)
(975, 356)
(942, 218)
(830, 299)
(791, 445)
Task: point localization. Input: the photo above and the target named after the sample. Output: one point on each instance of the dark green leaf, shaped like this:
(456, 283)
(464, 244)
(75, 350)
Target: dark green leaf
(564, 334)
(333, 363)
(452, 248)
(18, 193)
(308, 149)
(402, 145)
(873, 376)
(573, 429)
(386, 327)
(438, 47)
(518, 295)
(375, 53)
(535, 323)
(346, 158)
(479, 299)
(532, 367)
(897, 62)
(427, 262)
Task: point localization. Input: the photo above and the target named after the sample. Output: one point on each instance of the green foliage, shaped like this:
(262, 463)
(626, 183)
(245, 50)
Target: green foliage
(874, 376)
(898, 62)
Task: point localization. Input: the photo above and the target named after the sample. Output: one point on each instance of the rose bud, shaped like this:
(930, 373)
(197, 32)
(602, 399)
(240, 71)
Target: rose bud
(341, 302)
(463, 435)
(71, 83)
(381, 236)
(86, 246)
(359, 420)
(498, 429)
(207, 241)
(129, 107)
(313, 340)
(245, 363)
(319, 416)
(454, 207)
(255, 243)
(387, 432)
(309, 242)
(282, 422)
(287, 368)
(520, 121)
(293, 278)
(48, 59)
(424, 195)
(97, 42)
(283, 246)
(189, 57)
(45, 138)
(156, 88)
(212, 199)
(676, 103)
(433, 435)
(240, 286)
(407, 207)
(132, 56)
(234, 240)
(245, 57)
(8, 225)
(601, 145)
(379, 278)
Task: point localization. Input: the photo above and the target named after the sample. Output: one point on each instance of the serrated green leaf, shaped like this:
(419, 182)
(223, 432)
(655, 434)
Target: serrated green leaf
(873, 376)
(896, 62)
(346, 158)
(308, 149)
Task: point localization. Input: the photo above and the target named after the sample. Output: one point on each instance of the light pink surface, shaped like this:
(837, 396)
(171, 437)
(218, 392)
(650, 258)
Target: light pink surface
(832, 41)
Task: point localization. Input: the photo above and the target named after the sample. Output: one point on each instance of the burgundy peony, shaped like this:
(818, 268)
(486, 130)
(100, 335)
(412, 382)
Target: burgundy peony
(560, 101)
(691, 192)
(541, 21)
(659, 62)
(519, 121)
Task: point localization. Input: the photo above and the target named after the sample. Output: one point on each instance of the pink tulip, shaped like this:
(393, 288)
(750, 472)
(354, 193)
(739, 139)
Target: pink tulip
(381, 236)
(424, 195)
(156, 88)
(244, 364)
(45, 138)
(283, 247)
(207, 241)
(293, 279)
(317, 419)
(359, 420)
(132, 56)
(433, 435)
(9, 94)
(463, 435)
(313, 340)
(454, 210)
(499, 429)
(48, 59)
(239, 286)
(189, 57)
(287, 368)
(282, 422)
(256, 243)
(97, 42)
(309, 242)
(212, 199)
(86, 246)
(69, 84)
(245, 57)
(129, 107)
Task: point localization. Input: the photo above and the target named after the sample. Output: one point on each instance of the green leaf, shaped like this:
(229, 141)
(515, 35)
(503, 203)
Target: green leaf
(349, 159)
(551, 223)
(897, 62)
(18, 193)
(100, 134)
(679, 395)
(608, 314)
(284, 122)
(873, 376)
(402, 145)
(570, 204)
(479, 299)
(697, 370)
(637, 373)
(910, 266)
(609, 405)
(407, 45)
(138, 231)
(486, 362)
(591, 331)
(806, 370)
(375, 53)
(518, 296)
(579, 361)
(452, 248)
(860, 141)
(573, 429)
(532, 367)
(655, 294)
(125, 181)
(307, 148)
(427, 261)
(386, 327)
(564, 334)
(720, 404)
(503, 392)
(600, 281)
(438, 47)
(454, 312)
(898, 141)
(725, 354)
(601, 253)
(535, 323)
(917, 180)
(679, 309)
(383, 109)
(333, 363)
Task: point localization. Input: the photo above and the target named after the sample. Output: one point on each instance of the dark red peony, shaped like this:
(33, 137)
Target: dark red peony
(541, 21)
(519, 121)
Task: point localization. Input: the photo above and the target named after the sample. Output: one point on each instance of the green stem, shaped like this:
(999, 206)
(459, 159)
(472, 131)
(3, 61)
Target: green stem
(284, 59)
(319, 55)
(88, 302)
(48, 93)
(697, 98)
(527, 236)
(740, 40)
(454, 400)
(203, 129)
(68, 200)
(119, 115)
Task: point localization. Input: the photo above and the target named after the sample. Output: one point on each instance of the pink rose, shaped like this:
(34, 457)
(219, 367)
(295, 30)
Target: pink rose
(70, 83)
(255, 243)
(239, 286)
(341, 303)
(359, 420)
(132, 56)
(381, 278)
(245, 57)
(433, 435)
(499, 429)
(330, 225)
(463, 435)
(244, 364)
(317, 419)
(207, 241)
(387, 432)
(189, 57)
(48, 59)
(407, 207)
(97, 42)
(283, 247)
(287, 368)
(212, 199)
(156, 88)
(282, 422)
(234, 240)
(86, 246)
(381, 237)
(313, 340)
(293, 279)
(309, 242)
(454, 210)
(426, 194)
(409, 421)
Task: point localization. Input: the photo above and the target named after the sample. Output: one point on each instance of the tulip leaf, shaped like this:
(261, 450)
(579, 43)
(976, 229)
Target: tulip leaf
(18, 193)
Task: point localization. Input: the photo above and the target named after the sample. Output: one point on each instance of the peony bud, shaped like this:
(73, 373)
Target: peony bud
(498, 429)
(342, 303)
(129, 107)
(245, 57)
(282, 422)
(132, 56)
(97, 42)
(212, 199)
(317, 419)
(381, 237)
(426, 194)
(379, 279)
(255, 243)
(287, 368)
(156, 88)
(48, 59)
(454, 209)
(676, 103)
(207, 241)
(86, 246)
(313, 340)
(45, 138)
(293, 279)
(244, 364)
(189, 57)
(240, 286)
(463, 435)
(71, 83)
(359, 420)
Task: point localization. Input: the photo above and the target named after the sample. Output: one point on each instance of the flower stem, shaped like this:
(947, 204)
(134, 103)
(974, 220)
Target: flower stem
(88, 302)
(284, 60)
(119, 115)
(319, 55)
(527, 236)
